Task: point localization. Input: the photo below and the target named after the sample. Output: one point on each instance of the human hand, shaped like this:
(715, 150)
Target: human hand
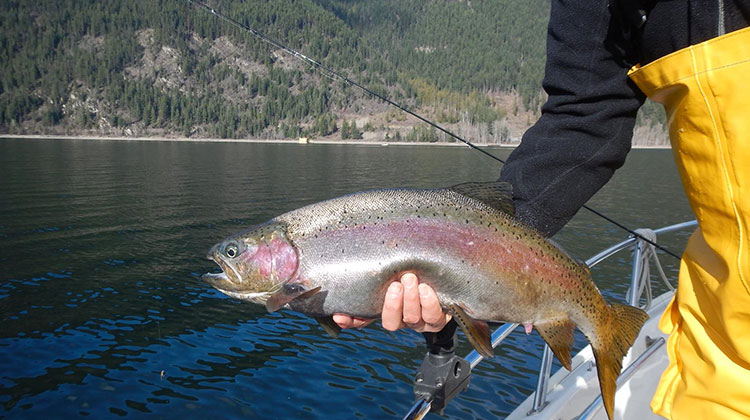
(407, 304)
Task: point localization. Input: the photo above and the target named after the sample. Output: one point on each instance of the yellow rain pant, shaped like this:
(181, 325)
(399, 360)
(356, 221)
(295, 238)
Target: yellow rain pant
(705, 90)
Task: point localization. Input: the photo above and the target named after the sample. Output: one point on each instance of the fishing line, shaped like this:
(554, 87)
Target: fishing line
(333, 74)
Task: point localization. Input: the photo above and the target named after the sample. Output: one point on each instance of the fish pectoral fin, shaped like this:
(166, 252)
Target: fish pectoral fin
(478, 332)
(288, 293)
(496, 194)
(329, 326)
(558, 334)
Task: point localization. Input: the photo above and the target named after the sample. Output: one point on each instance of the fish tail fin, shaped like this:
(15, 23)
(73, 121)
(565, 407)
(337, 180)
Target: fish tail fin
(624, 324)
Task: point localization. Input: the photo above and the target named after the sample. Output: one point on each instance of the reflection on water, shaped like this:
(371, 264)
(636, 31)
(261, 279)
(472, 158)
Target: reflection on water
(104, 313)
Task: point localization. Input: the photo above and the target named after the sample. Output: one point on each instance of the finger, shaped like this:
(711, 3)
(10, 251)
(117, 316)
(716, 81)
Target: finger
(432, 313)
(360, 322)
(346, 321)
(393, 307)
(343, 321)
(412, 307)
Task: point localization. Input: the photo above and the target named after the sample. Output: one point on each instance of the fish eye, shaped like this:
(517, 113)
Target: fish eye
(231, 250)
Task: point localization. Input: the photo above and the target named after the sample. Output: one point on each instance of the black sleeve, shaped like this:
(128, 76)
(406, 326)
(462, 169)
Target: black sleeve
(586, 126)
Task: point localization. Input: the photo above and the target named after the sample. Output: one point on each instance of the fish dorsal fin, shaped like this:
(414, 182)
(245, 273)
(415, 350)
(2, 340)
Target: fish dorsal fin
(496, 194)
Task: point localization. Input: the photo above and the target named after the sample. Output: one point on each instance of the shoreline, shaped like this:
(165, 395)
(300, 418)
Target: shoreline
(270, 141)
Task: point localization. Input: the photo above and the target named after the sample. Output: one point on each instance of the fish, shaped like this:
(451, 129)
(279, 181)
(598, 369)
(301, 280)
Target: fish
(340, 256)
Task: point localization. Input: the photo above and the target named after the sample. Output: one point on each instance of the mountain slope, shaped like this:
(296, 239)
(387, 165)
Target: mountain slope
(168, 68)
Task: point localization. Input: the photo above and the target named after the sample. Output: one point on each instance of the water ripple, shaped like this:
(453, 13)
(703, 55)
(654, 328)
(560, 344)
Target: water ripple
(104, 314)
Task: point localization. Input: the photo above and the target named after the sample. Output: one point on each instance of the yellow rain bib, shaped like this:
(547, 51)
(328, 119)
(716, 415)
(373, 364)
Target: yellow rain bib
(705, 90)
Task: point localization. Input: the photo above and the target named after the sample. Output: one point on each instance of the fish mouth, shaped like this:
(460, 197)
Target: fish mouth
(222, 280)
(229, 282)
(229, 274)
(222, 283)
(215, 279)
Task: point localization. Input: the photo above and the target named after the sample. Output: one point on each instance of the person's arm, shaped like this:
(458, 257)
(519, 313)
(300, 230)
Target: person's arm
(586, 126)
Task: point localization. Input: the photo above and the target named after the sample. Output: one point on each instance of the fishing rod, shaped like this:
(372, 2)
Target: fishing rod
(333, 74)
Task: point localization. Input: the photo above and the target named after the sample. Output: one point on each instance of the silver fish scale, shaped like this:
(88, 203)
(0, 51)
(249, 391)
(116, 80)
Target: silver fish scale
(354, 267)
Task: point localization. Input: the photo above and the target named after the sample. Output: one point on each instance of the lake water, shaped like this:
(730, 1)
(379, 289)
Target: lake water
(104, 314)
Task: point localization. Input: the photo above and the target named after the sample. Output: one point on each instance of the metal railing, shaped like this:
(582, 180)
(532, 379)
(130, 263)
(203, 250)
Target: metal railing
(422, 407)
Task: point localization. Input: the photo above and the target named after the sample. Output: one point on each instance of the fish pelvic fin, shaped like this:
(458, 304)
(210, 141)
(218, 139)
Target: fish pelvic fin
(558, 334)
(329, 325)
(477, 332)
(624, 324)
(496, 194)
(288, 293)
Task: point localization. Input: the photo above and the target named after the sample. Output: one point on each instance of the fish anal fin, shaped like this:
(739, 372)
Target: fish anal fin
(329, 325)
(496, 194)
(477, 332)
(558, 334)
(288, 293)
(624, 324)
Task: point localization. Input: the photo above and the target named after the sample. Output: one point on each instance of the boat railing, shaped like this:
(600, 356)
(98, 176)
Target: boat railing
(640, 278)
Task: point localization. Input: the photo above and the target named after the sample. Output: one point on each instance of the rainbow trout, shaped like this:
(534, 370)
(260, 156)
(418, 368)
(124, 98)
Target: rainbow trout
(340, 255)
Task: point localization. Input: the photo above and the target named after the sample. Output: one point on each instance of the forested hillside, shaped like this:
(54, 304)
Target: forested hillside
(169, 68)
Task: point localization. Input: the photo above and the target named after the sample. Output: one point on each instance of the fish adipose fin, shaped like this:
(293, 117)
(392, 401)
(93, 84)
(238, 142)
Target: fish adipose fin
(498, 195)
(329, 325)
(624, 324)
(288, 293)
(558, 335)
(478, 332)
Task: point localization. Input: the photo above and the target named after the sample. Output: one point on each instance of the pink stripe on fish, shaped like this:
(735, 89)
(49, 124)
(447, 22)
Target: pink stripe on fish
(497, 250)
